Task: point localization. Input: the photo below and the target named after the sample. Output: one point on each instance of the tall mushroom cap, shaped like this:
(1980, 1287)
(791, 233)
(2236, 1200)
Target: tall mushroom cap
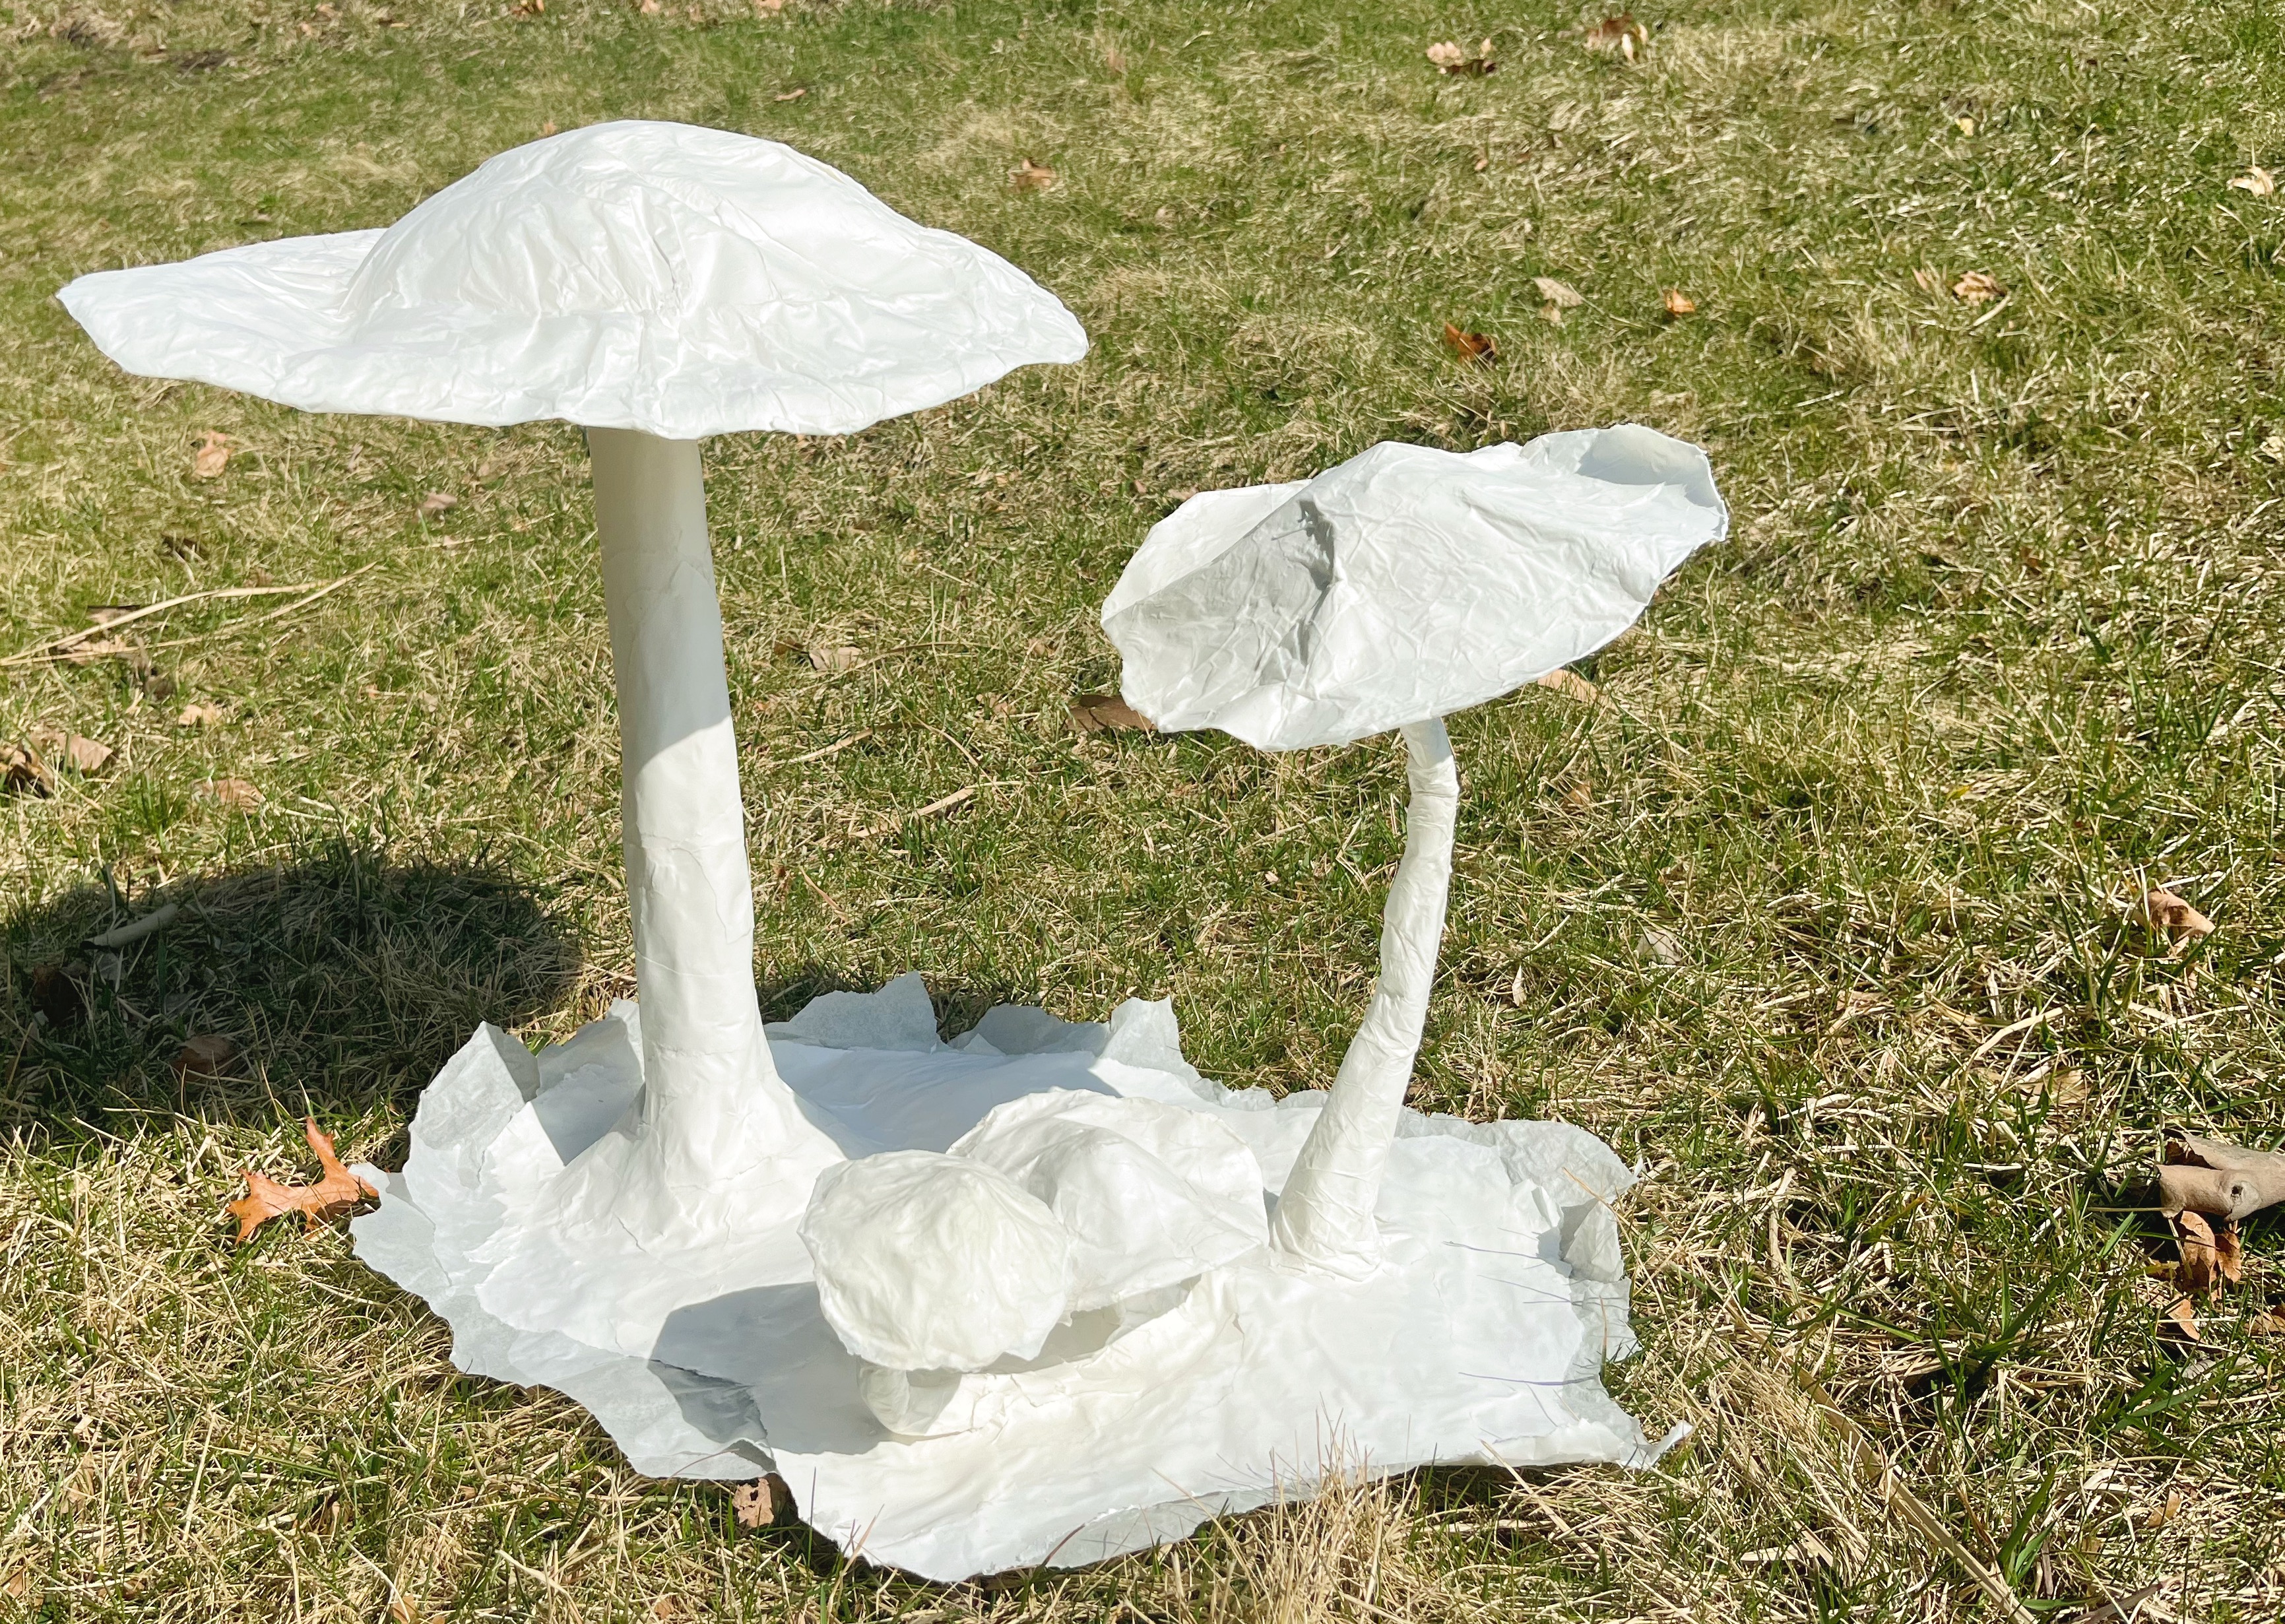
(1405, 584)
(659, 277)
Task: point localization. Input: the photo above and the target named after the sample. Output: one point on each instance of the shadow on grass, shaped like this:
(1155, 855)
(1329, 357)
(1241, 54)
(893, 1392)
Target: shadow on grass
(337, 985)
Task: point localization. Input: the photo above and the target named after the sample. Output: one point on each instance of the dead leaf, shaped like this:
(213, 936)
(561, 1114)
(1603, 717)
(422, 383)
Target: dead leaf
(1030, 176)
(1453, 58)
(334, 1193)
(21, 769)
(1571, 685)
(1620, 33)
(1978, 287)
(546, 128)
(648, 8)
(83, 753)
(796, 94)
(767, 9)
(235, 793)
(1964, 124)
(2158, 1516)
(666, 1607)
(1479, 348)
(2217, 1179)
(56, 995)
(2256, 180)
(199, 713)
(2229, 1253)
(2170, 916)
(2184, 1317)
(835, 656)
(1560, 294)
(2199, 1268)
(526, 9)
(104, 614)
(205, 1056)
(212, 456)
(756, 1502)
(1679, 303)
(1092, 713)
(1580, 796)
(17, 1585)
(88, 650)
(2269, 1324)
(437, 502)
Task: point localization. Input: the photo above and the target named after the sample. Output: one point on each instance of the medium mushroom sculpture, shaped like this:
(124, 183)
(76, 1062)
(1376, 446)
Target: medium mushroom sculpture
(1388, 592)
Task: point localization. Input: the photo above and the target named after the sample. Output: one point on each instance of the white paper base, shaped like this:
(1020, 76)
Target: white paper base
(1479, 1339)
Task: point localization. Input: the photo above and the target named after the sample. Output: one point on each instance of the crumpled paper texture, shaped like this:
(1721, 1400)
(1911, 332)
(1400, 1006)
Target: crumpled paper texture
(659, 277)
(1254, 1383)
(1406, 584)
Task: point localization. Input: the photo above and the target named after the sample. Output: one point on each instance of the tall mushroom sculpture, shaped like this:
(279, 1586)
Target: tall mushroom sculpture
(1388, 592)
(657, 284)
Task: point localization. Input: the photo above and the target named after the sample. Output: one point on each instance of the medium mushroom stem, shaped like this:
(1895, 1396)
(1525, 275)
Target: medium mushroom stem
(1325, 1214)
(722, 1138)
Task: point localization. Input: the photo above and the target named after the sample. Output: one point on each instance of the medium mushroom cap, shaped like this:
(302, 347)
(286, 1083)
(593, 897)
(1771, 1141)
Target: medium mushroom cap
(659, 277)
(1406, 584)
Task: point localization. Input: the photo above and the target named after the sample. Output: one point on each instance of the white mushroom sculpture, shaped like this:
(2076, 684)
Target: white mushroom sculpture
(1042, 1294)
(656, 284)
(1388, 592)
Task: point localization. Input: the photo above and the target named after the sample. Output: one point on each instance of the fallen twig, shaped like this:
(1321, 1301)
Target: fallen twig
(57, 647)
(958, 797)
(833, 749)
(279, 614)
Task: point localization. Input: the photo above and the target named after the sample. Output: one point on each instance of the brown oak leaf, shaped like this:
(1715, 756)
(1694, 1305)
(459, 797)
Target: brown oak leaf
(757, 1503)
(1453, 58)
(1107, 713)
(2170, 916)
(1479, 348)
(333, 1194)
(1570, 684)
(1620, 33)
(1978, 287)
(2201, 1263)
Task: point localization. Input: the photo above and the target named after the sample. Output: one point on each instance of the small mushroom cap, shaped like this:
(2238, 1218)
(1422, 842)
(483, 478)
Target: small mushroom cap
(659, 277)
(1406, 584)
(930, 1262)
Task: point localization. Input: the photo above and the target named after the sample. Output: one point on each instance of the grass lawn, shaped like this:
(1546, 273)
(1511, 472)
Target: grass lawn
(1818, 911)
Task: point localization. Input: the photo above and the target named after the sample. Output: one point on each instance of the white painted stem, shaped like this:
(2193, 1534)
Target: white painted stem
(1325, 1217)
(722, 1142)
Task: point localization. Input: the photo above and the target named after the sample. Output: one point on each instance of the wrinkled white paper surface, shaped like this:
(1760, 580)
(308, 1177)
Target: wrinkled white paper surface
(1404, 584)
(1480, 1339)
(659, 277)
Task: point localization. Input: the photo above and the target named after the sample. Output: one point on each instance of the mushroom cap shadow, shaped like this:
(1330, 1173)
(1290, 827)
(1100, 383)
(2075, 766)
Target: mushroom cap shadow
(341, 981)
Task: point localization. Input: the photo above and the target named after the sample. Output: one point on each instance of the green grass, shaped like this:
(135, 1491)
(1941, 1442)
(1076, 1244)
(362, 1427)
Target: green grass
(1993, 647)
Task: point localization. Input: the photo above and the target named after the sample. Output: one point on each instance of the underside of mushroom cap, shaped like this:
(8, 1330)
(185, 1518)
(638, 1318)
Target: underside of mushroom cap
(659, 277)
(1407, 582)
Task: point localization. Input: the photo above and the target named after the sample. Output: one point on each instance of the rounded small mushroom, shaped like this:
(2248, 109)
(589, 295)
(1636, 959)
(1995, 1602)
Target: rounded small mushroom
(656, 284)
(1388, 592)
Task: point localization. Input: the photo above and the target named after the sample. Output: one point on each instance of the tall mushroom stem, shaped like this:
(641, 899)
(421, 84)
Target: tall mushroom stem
(722, 1139)
(1325, 1216)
